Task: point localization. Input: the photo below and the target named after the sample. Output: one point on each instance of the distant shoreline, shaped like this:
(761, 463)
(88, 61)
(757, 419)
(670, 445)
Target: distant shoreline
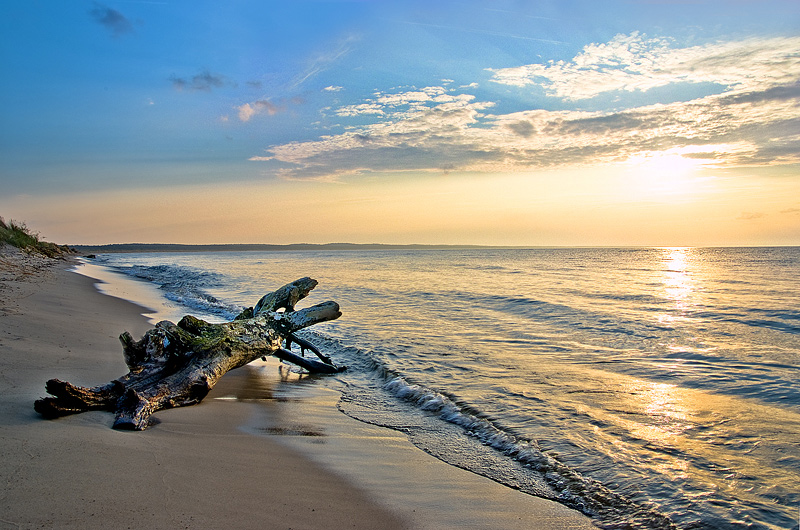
(167, 247)
(245, 247)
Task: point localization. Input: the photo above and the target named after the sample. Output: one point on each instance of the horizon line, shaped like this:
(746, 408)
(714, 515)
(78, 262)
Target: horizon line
(223, 247)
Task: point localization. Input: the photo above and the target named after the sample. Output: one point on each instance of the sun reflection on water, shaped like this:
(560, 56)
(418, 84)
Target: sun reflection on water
(679, 286)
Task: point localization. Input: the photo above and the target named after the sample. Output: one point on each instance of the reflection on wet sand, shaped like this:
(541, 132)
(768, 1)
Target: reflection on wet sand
(264, 383)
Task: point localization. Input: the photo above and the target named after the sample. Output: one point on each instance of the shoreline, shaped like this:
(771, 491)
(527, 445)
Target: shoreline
(260, 451)
(193, 470)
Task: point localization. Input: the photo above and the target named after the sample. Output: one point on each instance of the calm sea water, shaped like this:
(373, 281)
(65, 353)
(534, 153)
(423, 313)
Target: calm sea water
(648, 388)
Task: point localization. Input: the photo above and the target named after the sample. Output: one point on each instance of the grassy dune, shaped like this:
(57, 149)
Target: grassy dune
(18, 235)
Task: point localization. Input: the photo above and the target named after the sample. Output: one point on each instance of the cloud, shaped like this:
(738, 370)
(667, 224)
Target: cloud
(248, 110)
(111, 19)
(457, 134)
(522, 128)
(265, 106)
(203, 81)
(751, 122)
(333, 88)
(422, 120)
(637, 63)
(324, 60)
(403, 104)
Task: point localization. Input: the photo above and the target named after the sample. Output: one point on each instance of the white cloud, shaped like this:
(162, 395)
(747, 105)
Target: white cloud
(359, 109)
(752, 121)
(248, 110)
(405, 103)
(637, 63)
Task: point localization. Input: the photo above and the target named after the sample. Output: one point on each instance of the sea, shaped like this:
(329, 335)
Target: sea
(649, 388)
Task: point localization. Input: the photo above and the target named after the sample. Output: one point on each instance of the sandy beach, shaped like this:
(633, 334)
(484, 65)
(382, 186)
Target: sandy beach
(230, 462)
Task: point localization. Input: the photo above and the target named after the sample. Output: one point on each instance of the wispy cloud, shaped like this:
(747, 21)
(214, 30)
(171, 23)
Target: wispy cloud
(111, 19)
(752, 120)
(203, 81)
(324, 60)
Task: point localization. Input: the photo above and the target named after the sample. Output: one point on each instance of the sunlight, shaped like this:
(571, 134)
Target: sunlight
(665, 176)
(678, 284)
(664, 404)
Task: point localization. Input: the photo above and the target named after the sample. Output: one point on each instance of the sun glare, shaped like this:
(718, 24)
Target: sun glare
(678, 284)
(662, 176)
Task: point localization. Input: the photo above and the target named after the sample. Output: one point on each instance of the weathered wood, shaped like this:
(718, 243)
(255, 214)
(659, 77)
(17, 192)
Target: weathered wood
(175, 365)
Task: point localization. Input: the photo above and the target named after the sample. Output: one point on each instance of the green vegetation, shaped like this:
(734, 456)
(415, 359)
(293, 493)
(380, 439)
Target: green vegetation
(18, 235)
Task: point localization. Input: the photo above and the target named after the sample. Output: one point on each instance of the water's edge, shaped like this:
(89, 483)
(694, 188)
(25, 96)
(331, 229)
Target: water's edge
(648, 388)
(315, 401)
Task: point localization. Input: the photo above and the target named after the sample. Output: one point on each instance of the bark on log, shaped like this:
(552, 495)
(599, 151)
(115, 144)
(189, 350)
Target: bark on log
(176, 365)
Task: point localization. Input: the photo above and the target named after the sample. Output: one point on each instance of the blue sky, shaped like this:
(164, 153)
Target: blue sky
(507, 122)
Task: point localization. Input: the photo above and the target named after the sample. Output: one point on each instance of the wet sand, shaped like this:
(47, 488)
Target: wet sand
(259, 452)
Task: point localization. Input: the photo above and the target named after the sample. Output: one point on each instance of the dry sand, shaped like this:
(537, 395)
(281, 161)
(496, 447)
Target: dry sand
(226, 463)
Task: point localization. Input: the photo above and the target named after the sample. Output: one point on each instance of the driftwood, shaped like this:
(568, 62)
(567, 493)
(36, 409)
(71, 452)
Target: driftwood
(176, 365)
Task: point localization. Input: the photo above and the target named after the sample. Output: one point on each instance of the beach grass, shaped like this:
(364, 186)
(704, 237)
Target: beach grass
(17, 234)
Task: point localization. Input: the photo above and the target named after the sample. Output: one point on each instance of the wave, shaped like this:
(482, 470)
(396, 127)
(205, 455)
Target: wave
(563, 315)
(466, 437)
(773, 319)
(719, 341)
(183, 285)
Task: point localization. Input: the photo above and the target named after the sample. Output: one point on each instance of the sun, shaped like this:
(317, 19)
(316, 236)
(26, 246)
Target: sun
(661, 176)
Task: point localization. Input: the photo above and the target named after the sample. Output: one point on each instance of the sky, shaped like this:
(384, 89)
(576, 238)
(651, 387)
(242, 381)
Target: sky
(494, 122)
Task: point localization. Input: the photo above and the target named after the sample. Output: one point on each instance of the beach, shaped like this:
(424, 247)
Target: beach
(228, 462)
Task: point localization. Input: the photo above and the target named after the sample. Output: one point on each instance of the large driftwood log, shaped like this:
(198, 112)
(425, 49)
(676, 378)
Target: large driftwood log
(176, 365)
